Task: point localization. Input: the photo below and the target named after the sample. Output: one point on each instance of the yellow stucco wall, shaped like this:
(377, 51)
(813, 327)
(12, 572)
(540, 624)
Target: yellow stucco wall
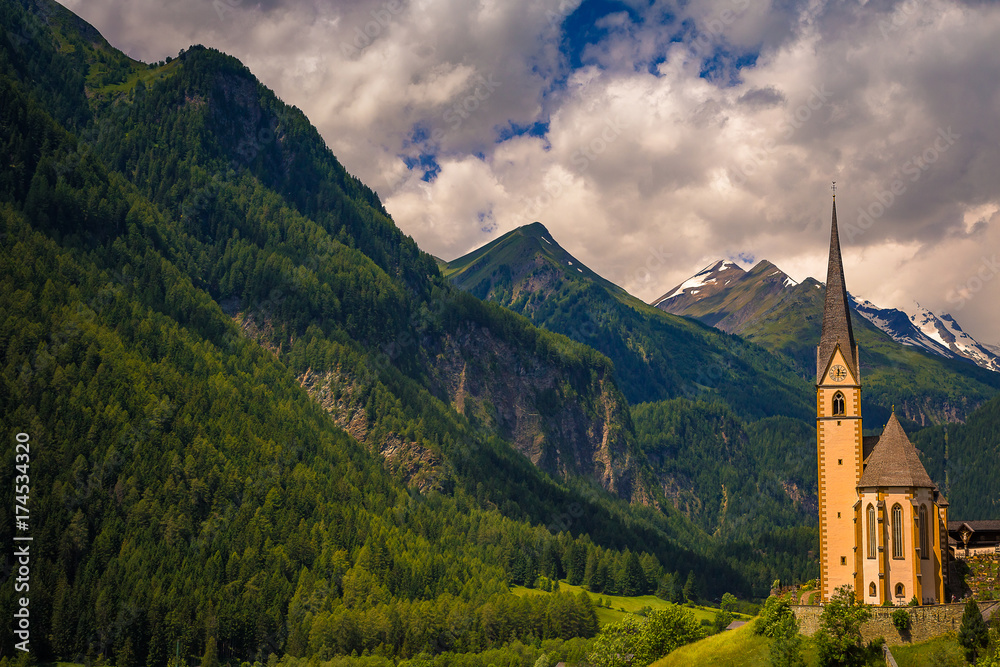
(838, 444)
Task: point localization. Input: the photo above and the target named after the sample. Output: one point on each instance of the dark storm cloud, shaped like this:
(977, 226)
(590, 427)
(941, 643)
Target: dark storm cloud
(761, 97)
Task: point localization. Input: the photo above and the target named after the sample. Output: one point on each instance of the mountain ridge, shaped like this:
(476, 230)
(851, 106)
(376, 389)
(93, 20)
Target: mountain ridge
(193, 295)
(663, 356)
(735, 297)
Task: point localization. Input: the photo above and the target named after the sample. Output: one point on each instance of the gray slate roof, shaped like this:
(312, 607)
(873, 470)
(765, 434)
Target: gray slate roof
(836, 312)
(986, 526)
(894, 461)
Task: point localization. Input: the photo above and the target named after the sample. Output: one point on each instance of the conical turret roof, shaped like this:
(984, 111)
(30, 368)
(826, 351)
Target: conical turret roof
(894, 461)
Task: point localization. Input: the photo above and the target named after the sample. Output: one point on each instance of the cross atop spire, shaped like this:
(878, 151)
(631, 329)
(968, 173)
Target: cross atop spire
(837, 327)
(834, 188)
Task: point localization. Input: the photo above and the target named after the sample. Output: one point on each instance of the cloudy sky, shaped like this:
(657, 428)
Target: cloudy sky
(651, 138)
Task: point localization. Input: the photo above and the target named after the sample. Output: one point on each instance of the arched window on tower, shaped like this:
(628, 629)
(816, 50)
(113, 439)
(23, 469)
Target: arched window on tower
(897, 531)
(839, 409)
(872, 534)
(925, 547)
(872, 591)
(900, 591)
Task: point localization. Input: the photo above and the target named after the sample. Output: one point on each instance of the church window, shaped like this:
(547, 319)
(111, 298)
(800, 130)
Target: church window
(897, 531)
(843, 560)
(838, 404)
(925, 551)
(871, 589)
(900, 591)
(872, 535)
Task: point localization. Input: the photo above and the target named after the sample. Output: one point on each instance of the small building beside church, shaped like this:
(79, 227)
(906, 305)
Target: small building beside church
(968, 538)
(883, 523)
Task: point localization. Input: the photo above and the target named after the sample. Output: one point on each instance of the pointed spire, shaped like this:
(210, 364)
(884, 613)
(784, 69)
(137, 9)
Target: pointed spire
(836, 310)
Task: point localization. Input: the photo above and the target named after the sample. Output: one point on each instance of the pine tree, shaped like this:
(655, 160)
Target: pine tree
(633, 578)
(211, 657)
(665, 589)
(973, 635)
(690, 588)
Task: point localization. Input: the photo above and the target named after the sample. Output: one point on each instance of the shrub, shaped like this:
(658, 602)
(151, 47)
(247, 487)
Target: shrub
(839, 637)
(901, 619)
(786, 650)
(776, 609)
(631, 642)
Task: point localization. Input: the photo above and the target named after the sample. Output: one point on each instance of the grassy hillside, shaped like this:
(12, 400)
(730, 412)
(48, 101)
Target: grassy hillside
(617, 607)
(741, 647)
(733, 648)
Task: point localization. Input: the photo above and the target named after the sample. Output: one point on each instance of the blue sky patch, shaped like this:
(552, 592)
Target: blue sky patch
(536, 129)
(580, 28)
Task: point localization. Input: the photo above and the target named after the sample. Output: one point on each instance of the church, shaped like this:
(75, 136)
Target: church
(882, 521)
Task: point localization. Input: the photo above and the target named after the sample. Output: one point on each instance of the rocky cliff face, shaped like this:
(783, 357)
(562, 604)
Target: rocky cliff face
(567, 426)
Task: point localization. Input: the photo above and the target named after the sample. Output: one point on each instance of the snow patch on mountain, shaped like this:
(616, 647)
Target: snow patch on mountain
(946, 331)
(938, 335)
(700, 279)
(899, 327)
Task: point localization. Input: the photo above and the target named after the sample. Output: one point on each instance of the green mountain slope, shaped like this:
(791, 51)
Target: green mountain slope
(962, 459)
(656, 355)
(751, 485)
(261, 421)
(926, 389)
(746, 485)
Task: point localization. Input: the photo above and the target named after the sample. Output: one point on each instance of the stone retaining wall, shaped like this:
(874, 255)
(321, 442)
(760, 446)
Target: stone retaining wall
(926, 622)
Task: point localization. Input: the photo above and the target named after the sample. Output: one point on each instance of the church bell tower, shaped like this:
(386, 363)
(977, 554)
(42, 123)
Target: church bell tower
(838, 429)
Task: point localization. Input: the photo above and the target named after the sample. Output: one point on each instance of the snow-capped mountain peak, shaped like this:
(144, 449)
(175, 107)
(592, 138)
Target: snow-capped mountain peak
(899, 326)
(709, 280)
(938, 335)
(947, 332)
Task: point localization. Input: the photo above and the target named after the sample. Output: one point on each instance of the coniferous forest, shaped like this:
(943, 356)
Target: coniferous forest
(263, 424)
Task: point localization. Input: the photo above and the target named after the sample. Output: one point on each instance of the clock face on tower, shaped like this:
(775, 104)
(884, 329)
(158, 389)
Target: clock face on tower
(838, 373)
